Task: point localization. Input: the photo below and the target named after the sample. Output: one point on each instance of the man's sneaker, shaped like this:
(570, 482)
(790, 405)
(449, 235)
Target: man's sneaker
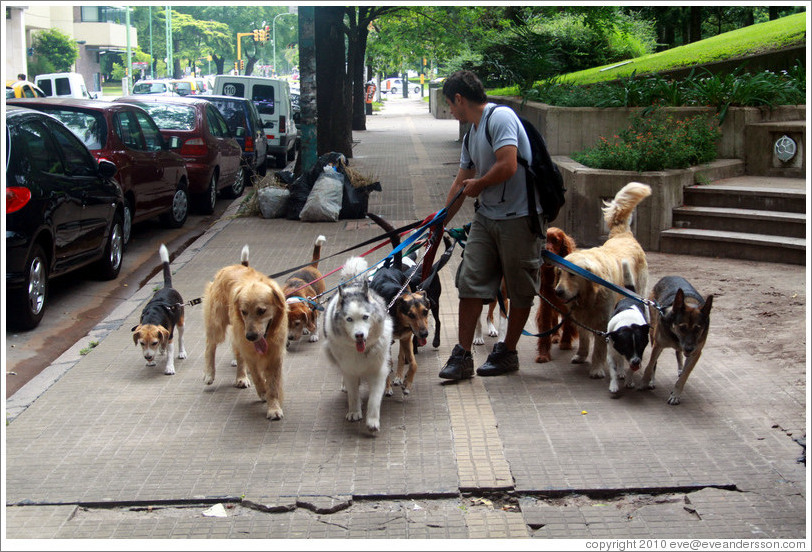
(500, 361)
(460, 365)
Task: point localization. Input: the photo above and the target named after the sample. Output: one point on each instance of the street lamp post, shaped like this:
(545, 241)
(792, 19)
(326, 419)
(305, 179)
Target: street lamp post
(274, 37)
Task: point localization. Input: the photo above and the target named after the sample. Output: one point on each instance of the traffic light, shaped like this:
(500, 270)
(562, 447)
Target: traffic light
(242, 64)
(256, 35)
(236, 66)
(268, 33)
(263, 35)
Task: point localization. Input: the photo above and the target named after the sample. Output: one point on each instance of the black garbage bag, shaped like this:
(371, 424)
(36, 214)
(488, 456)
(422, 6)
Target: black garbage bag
(355, 201)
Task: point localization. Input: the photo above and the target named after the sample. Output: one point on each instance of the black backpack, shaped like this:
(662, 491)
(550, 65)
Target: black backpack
(541, 172)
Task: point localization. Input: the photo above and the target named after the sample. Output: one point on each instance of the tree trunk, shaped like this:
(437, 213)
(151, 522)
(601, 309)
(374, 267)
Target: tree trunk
(307, 97)
(334, 128)
(696, 24)
(358, 46)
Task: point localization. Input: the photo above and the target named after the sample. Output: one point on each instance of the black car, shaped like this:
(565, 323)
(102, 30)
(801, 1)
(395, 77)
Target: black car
(64, 211)
(241, 112)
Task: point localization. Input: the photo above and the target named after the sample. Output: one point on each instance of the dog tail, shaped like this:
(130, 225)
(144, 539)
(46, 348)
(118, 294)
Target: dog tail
(393, 237)
(244, 255)
(321, 240)
(164, 253)
(353, 267)
(618, 212)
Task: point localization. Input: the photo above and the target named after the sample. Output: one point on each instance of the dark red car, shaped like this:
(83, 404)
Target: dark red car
(213, 155)
(153, 177)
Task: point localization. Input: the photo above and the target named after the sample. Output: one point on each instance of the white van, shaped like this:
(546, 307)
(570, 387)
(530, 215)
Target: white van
(64, 85)
(272, 98)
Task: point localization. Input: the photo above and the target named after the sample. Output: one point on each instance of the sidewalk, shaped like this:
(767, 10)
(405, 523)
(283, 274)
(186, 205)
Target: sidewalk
(114, 449)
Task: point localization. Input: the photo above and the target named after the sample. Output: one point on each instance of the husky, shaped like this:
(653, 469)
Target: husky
(357, 332)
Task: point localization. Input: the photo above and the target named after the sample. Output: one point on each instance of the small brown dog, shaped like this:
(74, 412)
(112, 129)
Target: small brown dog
(547, 316)
(254, 306)
(300, 289)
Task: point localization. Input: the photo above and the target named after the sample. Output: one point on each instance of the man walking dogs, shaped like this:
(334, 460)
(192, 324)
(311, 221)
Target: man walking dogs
(501, 243)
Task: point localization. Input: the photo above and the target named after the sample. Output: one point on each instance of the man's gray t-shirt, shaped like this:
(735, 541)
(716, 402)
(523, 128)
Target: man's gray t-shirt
(506, 200)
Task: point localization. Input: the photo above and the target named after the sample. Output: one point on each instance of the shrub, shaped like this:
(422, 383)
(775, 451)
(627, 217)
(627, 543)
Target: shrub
(656, 141)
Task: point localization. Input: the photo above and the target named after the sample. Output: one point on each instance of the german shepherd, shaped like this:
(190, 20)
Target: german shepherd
(683, 326)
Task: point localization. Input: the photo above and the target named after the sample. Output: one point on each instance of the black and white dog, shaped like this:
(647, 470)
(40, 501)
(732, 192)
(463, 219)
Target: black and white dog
(159, 319)
(627, 332)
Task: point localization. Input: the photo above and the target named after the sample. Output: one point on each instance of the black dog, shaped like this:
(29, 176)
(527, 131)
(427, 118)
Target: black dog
(160, 317)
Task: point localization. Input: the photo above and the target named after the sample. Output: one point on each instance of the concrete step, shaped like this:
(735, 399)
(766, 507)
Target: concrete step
(734, 245)
(782, 194)
(740, 220)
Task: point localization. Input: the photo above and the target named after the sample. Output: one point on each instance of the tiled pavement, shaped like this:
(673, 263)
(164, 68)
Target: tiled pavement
(114, 449)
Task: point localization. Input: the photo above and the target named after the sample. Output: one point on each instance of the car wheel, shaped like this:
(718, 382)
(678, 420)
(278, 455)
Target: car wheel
(127, 224)
(110, 263)
(236, 189)
(393, 90)
(417, 90)
(177, 215)
(208, 199)
(28, 303)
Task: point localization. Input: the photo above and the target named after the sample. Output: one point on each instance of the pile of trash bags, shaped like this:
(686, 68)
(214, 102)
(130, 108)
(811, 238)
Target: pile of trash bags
(325, 193)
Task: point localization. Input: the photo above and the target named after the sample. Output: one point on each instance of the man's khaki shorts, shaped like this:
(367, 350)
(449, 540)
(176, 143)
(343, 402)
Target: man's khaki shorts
(497, 248)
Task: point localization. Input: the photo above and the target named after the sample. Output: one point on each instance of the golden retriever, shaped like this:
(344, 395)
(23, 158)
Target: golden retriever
(591, 304)
(254, 306)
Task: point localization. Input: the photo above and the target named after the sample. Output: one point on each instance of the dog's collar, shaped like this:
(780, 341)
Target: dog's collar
(297, 299)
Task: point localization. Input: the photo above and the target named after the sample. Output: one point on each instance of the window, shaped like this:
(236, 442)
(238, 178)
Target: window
(152, 136)
(78, 160)
(171, 117)
(128, 130)
(234, 89)
(89, 126)
(232, 112)
(46, 87)
(62, 87)
(42, 155)
(217, 126)
(103, 14)
(263, 96)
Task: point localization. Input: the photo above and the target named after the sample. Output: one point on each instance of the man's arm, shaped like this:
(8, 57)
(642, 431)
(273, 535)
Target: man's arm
(462, 176)
(504, 168)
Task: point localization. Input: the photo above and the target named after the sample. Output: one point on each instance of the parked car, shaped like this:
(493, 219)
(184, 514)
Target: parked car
(239, 112)
(189, 86)
(212, 154)
(23, 89)
(272, 97)
(160, 87)
(64, 85)
(294, 102)
(152, 177)
(64, 211)
(395, 86)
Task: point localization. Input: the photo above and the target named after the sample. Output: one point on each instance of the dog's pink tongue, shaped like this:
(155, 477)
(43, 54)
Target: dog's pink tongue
(261, 345)
(422, 342)
(360, 346)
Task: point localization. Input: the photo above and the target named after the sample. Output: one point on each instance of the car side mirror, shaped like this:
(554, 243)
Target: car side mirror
(239, 132)
(107, 169)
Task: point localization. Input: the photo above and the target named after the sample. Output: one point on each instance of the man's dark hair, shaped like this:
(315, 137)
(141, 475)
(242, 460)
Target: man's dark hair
(467, 85)
(21, 76)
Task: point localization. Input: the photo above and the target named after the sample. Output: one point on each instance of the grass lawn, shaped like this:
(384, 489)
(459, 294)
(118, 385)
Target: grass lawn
(772, 35)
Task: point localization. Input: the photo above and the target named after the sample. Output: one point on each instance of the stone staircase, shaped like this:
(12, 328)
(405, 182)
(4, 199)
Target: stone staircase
(758, 214)
(744, 217)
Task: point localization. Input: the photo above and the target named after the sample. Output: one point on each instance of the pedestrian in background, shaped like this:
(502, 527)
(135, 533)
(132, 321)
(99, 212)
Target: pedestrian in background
(501, 243)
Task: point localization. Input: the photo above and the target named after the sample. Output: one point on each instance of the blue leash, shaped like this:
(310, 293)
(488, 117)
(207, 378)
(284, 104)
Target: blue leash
(578, 271)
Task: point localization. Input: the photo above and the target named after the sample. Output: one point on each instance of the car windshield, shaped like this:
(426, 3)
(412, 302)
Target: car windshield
(171, 117)
(149, 88)
(183, 88)
(89, 126)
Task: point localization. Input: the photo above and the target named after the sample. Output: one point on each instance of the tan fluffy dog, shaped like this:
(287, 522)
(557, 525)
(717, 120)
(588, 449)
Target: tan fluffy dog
(300, 288)
(254, 306)
(591, 304)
